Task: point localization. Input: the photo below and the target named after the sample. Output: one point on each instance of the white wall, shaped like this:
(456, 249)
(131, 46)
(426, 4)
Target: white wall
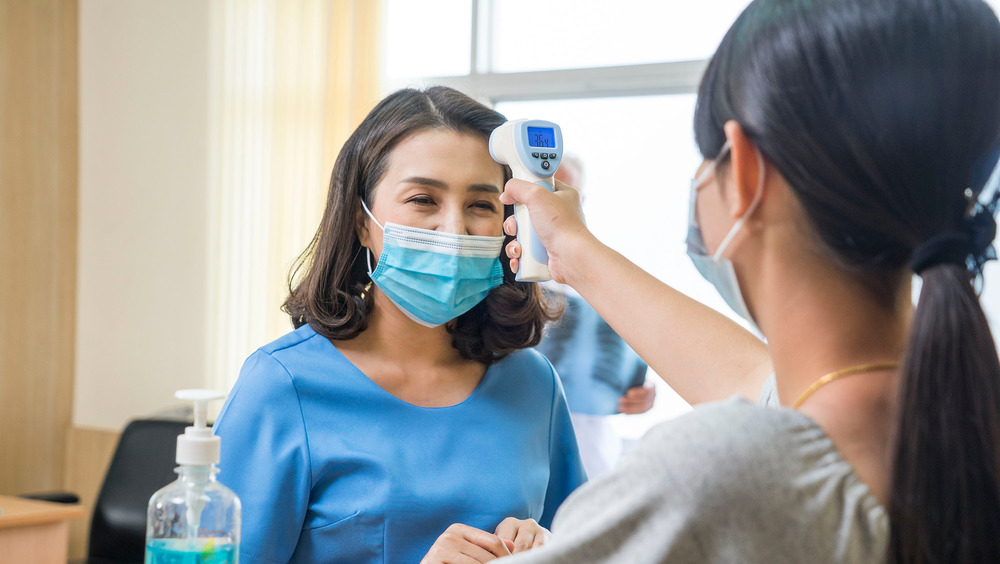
(143, 196)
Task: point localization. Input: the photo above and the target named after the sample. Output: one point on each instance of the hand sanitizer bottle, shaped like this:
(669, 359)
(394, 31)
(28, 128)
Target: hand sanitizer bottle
(194, 520)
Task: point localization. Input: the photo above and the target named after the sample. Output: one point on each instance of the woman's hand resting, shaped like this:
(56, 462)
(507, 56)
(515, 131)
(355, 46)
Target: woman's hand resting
(462, 544)
(524, 533)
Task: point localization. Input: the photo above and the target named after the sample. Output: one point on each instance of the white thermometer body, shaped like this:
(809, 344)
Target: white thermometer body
(533, 149)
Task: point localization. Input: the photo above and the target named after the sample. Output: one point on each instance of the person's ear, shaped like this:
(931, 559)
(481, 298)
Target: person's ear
(361, 227)
(745, 166)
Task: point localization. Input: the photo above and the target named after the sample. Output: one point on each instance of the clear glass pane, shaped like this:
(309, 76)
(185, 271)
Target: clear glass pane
(427, 38)
(638, 156)
(635, 191)
(529, 35)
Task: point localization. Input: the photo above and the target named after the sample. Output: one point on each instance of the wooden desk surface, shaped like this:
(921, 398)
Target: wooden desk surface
(17, 512)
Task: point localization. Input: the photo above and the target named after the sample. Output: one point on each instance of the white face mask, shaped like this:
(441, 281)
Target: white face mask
(717, 270)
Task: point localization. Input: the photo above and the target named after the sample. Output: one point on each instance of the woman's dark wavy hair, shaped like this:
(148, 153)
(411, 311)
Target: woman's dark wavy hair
(327, 282)
(875, 112)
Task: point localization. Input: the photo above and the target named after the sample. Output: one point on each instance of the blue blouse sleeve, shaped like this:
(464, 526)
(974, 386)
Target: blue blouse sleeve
(265, 459)
(566, 471)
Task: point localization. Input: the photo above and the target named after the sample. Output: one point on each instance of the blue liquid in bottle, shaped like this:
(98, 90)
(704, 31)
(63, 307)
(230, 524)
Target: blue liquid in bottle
(179, 551)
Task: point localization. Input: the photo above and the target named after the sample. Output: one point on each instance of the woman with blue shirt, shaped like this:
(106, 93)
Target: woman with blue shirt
(402, 402)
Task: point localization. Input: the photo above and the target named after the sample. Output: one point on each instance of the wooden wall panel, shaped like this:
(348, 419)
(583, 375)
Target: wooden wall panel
(87, 457)
(38, 211)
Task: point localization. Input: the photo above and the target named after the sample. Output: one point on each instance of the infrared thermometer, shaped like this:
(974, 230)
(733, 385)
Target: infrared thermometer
(533, 149)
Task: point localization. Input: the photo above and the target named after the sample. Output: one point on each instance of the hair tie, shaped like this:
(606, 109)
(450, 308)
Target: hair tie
(979, 224)
(946, 248)
(981, 227)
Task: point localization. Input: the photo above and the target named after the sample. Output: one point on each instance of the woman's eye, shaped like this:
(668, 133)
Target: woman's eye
(485, 205)
(422, 200)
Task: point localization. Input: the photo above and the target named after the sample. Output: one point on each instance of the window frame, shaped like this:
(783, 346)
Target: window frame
(672, 77)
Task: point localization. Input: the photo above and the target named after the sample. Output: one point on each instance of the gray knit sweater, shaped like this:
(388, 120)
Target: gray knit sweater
(729, 482)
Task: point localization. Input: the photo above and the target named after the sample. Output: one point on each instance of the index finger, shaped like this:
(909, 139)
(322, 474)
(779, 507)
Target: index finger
(560, 185)
(507, 529)
(482, 539)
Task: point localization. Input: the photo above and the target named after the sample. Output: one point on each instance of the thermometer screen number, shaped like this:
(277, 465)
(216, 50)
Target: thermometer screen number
(541, 137)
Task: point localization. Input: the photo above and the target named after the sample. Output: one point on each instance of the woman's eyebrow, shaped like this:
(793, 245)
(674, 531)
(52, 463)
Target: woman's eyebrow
(484, 188)
(423, 181)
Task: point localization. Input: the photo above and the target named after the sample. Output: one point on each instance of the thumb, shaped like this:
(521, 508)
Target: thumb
(509, 544)
(518, 191)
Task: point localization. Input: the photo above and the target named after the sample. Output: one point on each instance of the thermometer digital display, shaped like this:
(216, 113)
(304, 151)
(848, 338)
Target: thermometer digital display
(541, 137)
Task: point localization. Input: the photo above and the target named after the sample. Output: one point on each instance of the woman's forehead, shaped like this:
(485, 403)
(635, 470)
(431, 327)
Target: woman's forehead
(444, 156)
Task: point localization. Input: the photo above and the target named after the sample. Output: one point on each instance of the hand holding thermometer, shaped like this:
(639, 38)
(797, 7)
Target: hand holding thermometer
(533, 149)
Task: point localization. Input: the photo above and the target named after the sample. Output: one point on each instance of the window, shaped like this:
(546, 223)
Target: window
(438, 38)
(427, 38)
(526, 35)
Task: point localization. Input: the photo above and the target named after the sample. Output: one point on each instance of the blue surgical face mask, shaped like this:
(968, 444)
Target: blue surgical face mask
(434, 277)
(714, 268)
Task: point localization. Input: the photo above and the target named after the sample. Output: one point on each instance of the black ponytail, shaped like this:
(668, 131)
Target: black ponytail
(875, 112)
(945, 499)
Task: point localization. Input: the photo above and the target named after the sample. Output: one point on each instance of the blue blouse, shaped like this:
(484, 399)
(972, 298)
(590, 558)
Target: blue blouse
(331, 468)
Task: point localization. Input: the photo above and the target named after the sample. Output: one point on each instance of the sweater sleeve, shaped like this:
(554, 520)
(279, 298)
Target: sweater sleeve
(625, 516)
(727, 482)
(265, 459)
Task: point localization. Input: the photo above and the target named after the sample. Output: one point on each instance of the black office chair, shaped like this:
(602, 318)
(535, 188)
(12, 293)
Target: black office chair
(143, 463)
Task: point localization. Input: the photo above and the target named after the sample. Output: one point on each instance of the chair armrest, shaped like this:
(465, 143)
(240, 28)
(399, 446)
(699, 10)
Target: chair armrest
(53, 496)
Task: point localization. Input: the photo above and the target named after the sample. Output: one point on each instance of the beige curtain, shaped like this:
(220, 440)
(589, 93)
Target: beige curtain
(290, 81)
(354, 69)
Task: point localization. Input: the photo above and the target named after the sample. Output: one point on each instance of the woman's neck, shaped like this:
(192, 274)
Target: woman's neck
(819, 320)
(417, 364)
(393, 336)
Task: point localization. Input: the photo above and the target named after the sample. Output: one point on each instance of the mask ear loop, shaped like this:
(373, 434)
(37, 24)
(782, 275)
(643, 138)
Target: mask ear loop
(696, 184)
(368, 211)
(700, 179)
(753, 206)
(368, 252)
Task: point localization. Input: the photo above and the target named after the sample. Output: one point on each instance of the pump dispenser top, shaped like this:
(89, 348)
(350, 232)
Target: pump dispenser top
(198, 446)
(195, 519)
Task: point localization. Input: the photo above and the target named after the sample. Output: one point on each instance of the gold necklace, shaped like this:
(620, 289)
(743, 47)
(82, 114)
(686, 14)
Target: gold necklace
(836, 375)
